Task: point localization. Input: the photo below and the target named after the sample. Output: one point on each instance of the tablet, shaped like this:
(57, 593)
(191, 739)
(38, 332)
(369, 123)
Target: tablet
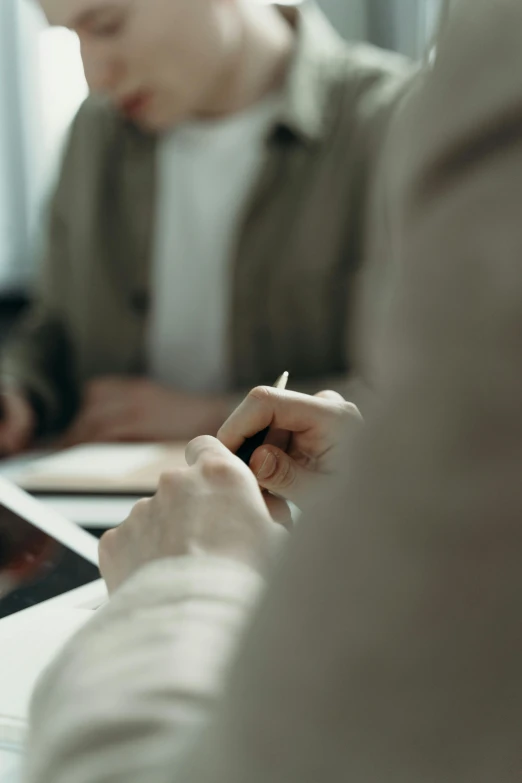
(43, 557)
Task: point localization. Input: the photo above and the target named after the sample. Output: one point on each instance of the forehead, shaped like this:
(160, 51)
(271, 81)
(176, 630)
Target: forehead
(65, 12)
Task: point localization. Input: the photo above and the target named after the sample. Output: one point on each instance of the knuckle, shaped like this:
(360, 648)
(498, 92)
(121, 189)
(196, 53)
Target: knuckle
(201, 442)
(108, 545)
(329, 394)
(141, 508)
(168, 482)
(348, 409)
(218, 471)
(262, 394)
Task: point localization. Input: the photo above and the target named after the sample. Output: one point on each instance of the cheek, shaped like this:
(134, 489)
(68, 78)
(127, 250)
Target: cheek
(188, 61)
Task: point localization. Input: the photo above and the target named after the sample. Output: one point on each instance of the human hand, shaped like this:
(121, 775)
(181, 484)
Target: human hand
(137, 409)
(214, 507)
(17, 422)
(314, 428)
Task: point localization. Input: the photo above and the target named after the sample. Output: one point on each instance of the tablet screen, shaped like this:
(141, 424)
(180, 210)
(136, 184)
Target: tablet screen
(34, 566)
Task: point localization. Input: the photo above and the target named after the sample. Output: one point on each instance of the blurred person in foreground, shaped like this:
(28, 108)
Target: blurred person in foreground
(387, 645)
(209, 221)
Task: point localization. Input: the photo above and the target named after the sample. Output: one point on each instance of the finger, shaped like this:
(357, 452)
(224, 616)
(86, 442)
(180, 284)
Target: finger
(206, 446)
(348, 407)
(279, 438)
(279, 510)
(94, 422)
(269, 407)
(277, 472)
(112, 550)
(107, 549)
(327, 394)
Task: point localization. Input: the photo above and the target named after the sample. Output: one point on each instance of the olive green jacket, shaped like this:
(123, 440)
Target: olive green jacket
(298, 253)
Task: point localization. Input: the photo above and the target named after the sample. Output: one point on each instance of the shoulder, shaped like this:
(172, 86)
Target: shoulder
(365, 87)
(94, 126)
(100, 145)
(468, 102)
(98, 130)
(358, 59)
(99, 141)
(366, 76)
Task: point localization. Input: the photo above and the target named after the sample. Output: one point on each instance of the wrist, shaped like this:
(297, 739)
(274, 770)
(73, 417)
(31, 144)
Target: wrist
(258, 553)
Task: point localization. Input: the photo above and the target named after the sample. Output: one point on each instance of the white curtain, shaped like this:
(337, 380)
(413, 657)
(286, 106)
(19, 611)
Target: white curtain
(15, 206)
(41, 87)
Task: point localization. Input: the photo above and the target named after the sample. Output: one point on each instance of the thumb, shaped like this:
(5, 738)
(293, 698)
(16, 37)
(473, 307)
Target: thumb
(279, 473)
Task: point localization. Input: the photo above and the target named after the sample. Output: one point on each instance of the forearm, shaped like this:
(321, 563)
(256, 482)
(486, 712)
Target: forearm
(137, 686)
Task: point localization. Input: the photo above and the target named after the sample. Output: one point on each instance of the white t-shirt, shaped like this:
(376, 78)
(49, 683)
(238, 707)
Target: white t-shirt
(207, 171)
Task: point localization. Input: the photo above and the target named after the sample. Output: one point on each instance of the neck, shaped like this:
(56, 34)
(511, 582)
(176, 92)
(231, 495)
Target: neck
(259, 64)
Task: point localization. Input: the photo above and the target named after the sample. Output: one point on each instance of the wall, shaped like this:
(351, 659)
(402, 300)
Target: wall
(19, 160)
(349, 16)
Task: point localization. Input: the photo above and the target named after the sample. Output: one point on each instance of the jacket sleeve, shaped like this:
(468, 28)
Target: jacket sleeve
(139, 683)
(39, 356)
(384, 81)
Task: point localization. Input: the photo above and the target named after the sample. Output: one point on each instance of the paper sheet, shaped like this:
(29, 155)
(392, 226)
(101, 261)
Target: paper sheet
(10, 765)
(27, 646)
(103, 469)
(110, 460)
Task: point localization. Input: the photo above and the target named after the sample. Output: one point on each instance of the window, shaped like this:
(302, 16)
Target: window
(62, 88)
(41, 87)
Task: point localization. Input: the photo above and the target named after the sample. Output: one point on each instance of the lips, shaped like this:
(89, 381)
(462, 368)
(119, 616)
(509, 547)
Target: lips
(135, 104)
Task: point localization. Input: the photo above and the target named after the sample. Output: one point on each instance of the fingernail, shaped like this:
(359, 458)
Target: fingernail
(268, 468)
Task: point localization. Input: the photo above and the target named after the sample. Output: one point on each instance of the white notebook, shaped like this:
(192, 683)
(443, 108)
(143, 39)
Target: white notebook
(27, 646)
(28, 643)
(120, 468)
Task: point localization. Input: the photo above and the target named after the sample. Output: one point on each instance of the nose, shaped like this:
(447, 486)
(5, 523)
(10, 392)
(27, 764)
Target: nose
(104, 69)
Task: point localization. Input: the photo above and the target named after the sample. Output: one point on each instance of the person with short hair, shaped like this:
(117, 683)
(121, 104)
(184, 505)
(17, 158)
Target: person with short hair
(210, 220)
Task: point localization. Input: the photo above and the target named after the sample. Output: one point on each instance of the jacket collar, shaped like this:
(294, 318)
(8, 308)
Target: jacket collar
(305, 95)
